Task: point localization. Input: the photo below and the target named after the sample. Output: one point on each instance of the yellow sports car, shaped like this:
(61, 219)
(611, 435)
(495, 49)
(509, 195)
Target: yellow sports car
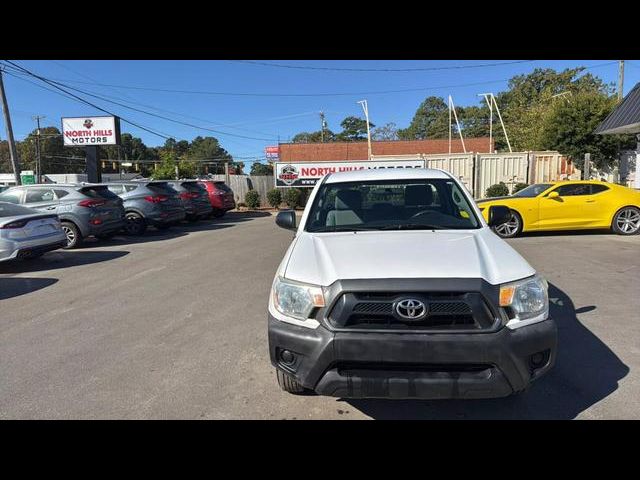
(569, 205)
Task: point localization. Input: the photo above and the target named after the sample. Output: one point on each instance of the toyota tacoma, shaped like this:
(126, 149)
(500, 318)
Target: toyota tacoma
(395, 286)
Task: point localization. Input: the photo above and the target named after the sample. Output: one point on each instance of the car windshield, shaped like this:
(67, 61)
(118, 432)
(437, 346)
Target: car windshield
(533, 190)
(11, 210)
(430, 204)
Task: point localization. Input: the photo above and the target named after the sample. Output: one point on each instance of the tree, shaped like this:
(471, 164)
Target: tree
(261, 169)
(431, 120)
(354, 129)
(569, 128)
(314, 137)
(385, 132)
(531, 97)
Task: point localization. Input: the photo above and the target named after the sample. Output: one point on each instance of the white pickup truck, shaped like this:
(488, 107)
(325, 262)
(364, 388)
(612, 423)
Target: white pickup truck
(394, 286)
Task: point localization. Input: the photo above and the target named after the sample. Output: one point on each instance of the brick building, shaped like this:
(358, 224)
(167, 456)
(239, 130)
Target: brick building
(346, 151)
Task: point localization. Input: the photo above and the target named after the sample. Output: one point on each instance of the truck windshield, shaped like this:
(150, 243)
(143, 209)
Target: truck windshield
(430, 204)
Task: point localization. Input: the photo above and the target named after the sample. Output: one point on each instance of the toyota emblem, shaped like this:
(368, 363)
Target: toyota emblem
(411, 309)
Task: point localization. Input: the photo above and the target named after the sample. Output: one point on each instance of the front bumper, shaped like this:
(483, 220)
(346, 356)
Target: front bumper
(414, 365)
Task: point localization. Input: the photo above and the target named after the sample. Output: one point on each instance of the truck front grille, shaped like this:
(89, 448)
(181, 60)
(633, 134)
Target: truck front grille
(376, 311)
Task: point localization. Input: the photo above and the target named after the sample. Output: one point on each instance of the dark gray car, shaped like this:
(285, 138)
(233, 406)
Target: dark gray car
(148, 203)
(84, 209)
(195, 198)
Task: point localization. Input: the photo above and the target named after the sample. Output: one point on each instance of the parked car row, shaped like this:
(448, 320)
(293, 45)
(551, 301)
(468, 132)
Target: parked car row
(38, 218)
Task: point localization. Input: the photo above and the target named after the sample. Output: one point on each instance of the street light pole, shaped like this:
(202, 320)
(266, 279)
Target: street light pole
(365, 107)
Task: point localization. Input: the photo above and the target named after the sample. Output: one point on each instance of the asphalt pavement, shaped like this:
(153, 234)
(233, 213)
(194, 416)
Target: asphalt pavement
(173, 325)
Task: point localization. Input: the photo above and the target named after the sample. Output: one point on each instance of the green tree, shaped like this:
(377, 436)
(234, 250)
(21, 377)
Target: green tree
(431, 120)
(252, 199)
(261, 169)
(354, 129)
(314, 137)
(530, 98)
(569, 128)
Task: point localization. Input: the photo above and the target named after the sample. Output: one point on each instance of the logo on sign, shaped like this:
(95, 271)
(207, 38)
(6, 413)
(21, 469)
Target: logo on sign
(288, 174)
(88, 123)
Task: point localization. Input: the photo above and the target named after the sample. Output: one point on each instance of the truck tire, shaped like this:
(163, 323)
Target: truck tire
(289, 384)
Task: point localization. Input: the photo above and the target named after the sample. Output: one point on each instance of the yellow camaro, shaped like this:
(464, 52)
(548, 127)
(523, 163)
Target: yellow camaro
(569, 205)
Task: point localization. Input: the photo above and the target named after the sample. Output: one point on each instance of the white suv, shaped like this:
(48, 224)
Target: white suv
(395, 287)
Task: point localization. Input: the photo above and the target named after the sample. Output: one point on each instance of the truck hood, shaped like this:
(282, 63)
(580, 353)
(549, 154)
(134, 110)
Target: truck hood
(323, 258)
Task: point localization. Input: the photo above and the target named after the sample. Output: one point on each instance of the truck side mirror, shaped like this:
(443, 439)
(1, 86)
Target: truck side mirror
(286, 219)
(498, 214)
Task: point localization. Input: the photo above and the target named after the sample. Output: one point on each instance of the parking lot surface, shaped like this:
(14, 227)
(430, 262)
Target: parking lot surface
(173, 325)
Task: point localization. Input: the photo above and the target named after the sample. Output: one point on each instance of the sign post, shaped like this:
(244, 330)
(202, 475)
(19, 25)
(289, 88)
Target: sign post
(91, 132)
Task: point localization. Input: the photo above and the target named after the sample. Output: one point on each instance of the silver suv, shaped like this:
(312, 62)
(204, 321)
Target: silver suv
(195, 198)
(148, 203)
(84, 209)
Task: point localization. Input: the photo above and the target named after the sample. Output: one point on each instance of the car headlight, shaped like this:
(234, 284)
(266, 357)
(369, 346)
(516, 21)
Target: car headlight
(527, 300)
(295, 299)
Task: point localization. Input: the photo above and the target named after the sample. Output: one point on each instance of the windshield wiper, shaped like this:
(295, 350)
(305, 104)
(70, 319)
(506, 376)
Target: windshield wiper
(411, 226)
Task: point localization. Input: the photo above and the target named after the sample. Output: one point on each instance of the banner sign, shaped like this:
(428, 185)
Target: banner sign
(306, 174)
(272, 152)
(86, 131)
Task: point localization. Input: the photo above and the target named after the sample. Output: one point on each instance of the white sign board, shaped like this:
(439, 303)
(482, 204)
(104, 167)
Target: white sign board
(306, 174)
(88, 131)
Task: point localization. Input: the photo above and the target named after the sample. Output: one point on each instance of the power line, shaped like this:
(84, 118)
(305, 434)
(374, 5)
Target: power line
(84, 101)
(163, 117)
(417, 69)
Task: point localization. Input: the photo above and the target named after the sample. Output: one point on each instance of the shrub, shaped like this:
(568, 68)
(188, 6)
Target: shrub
(519, 186)
(252, 199)
(274, 197)
(292, 197)
(497, 190)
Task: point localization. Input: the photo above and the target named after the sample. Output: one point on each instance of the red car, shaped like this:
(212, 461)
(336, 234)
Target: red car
(220, 196)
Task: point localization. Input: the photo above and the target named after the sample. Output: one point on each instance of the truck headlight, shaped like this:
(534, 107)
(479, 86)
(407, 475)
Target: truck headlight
(295, 299)
(527, 300)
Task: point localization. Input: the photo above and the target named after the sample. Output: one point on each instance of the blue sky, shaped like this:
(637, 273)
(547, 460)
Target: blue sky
(265, 118)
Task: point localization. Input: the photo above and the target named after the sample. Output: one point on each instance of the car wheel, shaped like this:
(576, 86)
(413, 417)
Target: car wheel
(74, 237)
(135, 224)
(510, 229)
(626, 221)
(289, 384)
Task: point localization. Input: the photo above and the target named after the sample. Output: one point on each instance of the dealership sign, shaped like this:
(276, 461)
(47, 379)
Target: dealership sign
(87, 131)
(272, 152)
(306, 174)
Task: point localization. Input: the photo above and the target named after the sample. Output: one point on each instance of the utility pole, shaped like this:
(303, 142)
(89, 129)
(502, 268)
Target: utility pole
(620, 80)
(38, 152)
(323, 124)
(15, 162)
(365, 107)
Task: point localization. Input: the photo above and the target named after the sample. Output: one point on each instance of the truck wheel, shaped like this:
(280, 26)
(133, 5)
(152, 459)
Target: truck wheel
(626, 221)
(512, 228)
(74, 237)
(289, 384)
